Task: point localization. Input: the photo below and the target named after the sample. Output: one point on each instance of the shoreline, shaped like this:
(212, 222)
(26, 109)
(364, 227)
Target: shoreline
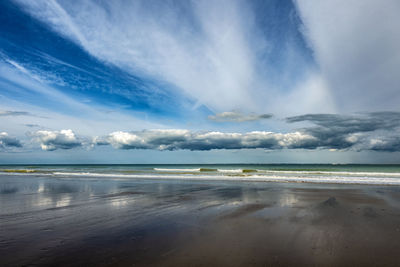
(366, 180)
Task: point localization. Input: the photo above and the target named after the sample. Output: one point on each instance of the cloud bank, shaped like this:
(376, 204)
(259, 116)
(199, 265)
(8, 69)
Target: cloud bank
(376, 131)
(236, 116)
(184, 139)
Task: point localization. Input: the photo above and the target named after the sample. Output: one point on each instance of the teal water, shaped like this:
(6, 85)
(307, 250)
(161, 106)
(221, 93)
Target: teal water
(315, 173)
(294, 167)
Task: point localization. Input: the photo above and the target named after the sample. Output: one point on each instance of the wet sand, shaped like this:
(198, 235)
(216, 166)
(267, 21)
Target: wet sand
(106, 222)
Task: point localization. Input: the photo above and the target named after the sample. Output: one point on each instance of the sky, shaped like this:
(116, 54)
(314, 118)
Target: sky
(274, 81)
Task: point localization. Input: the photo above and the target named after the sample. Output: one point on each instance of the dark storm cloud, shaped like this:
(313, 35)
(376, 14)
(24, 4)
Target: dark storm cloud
(372, 131)
(7, 141)
(352, 123)
(387, 143)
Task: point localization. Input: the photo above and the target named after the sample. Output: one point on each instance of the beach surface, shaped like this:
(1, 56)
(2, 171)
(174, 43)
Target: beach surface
(74, 221)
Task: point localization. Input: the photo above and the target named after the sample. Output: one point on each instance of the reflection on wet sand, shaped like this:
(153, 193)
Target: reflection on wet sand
(76, 222)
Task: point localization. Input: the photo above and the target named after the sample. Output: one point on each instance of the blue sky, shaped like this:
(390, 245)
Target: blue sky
(199, 81)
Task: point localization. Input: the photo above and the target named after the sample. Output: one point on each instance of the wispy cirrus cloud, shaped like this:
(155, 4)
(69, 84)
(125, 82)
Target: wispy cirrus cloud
(236, 116)
(53, 108)
(4, 113)
(356, 51)
(223, 54)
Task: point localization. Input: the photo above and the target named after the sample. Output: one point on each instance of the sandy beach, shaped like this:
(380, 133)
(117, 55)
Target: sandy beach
(139, 222)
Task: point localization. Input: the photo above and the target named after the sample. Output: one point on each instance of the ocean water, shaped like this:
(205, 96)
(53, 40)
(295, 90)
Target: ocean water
(312, 173)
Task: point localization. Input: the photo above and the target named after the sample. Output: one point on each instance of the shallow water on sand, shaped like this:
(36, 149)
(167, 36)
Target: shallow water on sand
(70, 221)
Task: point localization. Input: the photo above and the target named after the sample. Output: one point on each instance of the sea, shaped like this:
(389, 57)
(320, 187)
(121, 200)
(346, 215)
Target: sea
(302, 173)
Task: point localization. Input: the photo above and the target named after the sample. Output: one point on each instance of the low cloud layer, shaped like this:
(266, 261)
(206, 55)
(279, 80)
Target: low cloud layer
(52, 140)
(7, 141)
(184, 139)
(236, 116)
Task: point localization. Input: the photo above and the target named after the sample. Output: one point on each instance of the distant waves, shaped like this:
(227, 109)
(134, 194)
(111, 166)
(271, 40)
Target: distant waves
(228, 174)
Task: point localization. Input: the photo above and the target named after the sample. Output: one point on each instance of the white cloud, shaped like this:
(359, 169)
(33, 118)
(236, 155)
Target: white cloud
(52, 140)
